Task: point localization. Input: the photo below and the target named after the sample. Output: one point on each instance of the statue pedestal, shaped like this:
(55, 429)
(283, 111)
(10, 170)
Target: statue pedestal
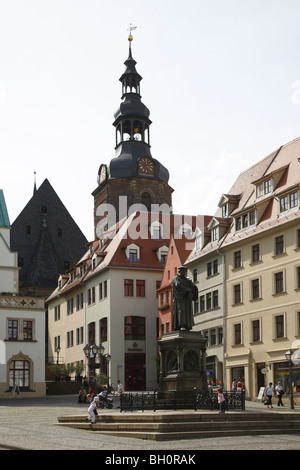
(183, 361)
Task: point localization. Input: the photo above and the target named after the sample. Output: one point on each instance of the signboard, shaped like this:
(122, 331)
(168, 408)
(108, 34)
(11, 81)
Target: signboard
(261, 393)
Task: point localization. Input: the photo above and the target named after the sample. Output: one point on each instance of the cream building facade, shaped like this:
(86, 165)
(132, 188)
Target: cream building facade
(256, 231)
(117, 281)
(22, 326)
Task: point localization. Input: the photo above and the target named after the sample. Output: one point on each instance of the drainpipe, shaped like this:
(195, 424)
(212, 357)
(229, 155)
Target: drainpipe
(224, 312)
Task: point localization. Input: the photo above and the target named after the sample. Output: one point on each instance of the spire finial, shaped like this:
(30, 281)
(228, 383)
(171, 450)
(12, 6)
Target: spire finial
(131, 28)
(34, 186)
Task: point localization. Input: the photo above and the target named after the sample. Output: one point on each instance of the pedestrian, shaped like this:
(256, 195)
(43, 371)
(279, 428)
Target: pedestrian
(120, 387)
(240, 385)
(94, 405)
(234, 385)
(269, 394)
(221, 400)
(279, 392)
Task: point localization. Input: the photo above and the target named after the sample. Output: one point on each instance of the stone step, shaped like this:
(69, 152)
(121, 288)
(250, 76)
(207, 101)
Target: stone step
(186, 426)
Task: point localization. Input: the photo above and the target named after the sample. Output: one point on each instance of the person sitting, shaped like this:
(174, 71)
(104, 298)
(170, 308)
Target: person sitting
(82, 395)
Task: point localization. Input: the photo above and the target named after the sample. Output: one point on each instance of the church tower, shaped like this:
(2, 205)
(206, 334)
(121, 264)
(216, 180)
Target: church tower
(133, 179)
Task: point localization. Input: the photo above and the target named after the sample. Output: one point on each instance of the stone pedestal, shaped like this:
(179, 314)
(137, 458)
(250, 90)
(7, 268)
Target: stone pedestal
(183, 361)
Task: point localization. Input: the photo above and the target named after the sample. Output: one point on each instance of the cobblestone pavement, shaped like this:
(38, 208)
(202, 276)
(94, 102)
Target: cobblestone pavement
(32, 424)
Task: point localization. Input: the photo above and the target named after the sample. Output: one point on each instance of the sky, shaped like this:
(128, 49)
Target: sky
(221, 79)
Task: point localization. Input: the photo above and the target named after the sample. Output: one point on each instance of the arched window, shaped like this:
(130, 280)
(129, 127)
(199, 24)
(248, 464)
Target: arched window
(19, 373)
(146, 201)
(135, 328)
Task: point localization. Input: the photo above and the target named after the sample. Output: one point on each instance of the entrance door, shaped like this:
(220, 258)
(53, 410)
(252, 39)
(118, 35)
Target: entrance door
(260, 375)
(135, 372)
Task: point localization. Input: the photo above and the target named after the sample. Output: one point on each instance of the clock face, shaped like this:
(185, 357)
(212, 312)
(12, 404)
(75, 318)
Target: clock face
(146, 166)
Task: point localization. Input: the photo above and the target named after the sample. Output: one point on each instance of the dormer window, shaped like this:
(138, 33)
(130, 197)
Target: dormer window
(162, 254)
(246, 220)
(224, 211)
(133, 258)
(264, 188)
(288, 202)
(156, 230)
(215, 234)
(133, 253)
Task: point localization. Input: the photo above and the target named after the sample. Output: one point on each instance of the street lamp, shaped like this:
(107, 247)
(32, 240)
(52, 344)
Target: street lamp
(288, 356)
(95, 351)
(57, 350)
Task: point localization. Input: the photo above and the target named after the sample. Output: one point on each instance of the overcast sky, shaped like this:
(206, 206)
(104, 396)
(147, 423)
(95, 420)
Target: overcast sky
(221, 79)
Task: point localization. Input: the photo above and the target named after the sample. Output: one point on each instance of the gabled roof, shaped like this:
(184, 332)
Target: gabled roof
(110, 251)
(47, 238)
(283, 166)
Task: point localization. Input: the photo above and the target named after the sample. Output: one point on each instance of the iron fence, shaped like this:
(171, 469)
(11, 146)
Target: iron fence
(175, 400)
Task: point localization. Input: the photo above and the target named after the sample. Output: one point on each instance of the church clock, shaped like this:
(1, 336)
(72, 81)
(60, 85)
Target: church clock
(146, 166)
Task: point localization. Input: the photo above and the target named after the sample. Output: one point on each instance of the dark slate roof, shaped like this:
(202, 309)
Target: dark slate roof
(46, 238)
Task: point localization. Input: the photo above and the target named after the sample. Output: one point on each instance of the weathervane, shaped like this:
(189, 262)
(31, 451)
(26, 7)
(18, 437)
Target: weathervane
(131, 28)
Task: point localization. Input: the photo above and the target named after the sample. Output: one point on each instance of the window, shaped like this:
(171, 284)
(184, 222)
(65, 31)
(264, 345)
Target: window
(140, 288)
(57, 313)
(215, 266)
(209, 269)
(91, 333)
(237, 259)
(19, 373)
(215, 234)
(103, 330)
(79, 335)
(279, 282)
(70, 339)
(238, 223)
(255, 330)
(202, 303)
(255, 253)
(279, 245)
(195, 275)
(70, 305)
(213, 337)
(289, 201)
(105, 288)
(215, 299)
(297, 277)
(13, 330)
(294, 200)
(128, 287)
(237, 297)
(79, 301)
(237, 333)
(133, 257)
(208, 301)
(279, 326)
(255, 289)
(27, 330)
(163, 257)
(28, 229)
(264, 188)
(156, 232)
(134, 328)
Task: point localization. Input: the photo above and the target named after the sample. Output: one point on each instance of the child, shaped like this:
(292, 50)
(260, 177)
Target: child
(221, 400)
(94, 404)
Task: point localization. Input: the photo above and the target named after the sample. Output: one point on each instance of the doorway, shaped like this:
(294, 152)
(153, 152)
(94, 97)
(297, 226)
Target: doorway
(135, 372)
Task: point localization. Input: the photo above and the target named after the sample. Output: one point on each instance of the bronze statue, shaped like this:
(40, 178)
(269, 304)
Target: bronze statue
(184, 293)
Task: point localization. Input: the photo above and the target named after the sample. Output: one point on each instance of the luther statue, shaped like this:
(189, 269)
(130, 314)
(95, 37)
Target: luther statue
(184, 293)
